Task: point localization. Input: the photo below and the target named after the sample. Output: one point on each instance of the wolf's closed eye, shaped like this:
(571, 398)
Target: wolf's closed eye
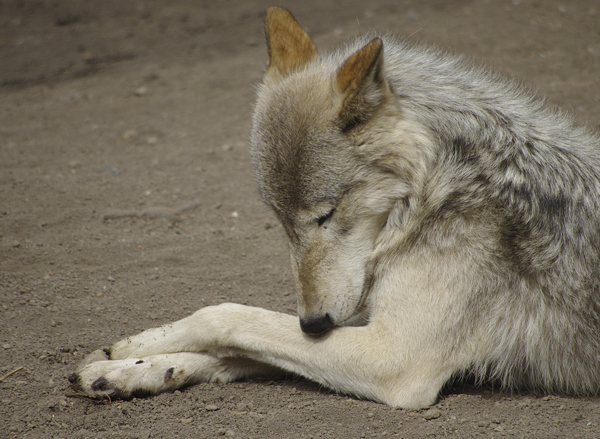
(324, 218)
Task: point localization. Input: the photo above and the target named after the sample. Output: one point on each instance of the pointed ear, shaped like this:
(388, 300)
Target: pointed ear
(361, 84)
(288, 44)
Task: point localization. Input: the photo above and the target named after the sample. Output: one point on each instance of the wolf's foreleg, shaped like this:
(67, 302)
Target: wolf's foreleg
(364, 361)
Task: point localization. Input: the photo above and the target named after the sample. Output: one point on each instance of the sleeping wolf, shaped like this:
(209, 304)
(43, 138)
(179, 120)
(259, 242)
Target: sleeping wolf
(441, 221)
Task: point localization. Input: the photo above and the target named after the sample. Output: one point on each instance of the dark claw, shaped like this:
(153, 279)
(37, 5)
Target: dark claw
(73, 379)
(169, 374)
(100, 384)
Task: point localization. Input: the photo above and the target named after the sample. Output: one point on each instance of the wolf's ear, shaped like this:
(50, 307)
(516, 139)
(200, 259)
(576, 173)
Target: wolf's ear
(361, 84)
(288, 44)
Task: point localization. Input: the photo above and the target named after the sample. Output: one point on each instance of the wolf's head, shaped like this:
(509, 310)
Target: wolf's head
(321, 134)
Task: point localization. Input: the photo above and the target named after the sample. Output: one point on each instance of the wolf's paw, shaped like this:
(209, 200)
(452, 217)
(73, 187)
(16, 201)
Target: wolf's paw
(122, 379)
(137, 377)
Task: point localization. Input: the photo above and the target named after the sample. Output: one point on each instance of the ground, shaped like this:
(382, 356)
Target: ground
(127, 200)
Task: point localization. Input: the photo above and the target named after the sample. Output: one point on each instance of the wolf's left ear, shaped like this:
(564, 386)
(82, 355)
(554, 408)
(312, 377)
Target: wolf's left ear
(288, 44)
(361, 84)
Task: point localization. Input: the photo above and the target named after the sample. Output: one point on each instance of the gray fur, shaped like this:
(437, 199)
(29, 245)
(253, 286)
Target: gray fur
(527, 173)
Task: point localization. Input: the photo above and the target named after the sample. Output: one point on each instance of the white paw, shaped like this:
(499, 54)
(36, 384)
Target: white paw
(136, 377)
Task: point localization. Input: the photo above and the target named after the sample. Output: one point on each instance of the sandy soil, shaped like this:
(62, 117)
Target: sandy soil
(127, 200)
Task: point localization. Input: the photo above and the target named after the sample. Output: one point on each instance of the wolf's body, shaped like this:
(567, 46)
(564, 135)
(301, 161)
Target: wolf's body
(441, 221)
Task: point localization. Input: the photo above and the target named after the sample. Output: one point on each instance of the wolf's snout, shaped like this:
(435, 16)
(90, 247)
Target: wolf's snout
(317, 325)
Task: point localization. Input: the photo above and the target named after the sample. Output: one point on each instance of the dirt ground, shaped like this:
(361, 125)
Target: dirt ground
(127, 200)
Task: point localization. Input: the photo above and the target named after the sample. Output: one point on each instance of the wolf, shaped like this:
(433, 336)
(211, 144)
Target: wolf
(442, 221)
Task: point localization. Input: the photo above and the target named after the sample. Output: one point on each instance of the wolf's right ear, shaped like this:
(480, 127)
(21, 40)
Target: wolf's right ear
(361, 84)
(288, 44)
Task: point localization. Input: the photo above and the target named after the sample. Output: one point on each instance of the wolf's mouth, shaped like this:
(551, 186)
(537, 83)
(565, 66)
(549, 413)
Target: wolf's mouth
(361, 314)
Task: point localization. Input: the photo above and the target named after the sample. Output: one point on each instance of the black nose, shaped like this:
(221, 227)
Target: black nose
(316, 326)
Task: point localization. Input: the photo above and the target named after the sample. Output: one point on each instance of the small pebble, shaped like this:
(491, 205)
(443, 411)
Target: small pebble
(211, 407)
(141, 91)
(432, 414)
(129, 134)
